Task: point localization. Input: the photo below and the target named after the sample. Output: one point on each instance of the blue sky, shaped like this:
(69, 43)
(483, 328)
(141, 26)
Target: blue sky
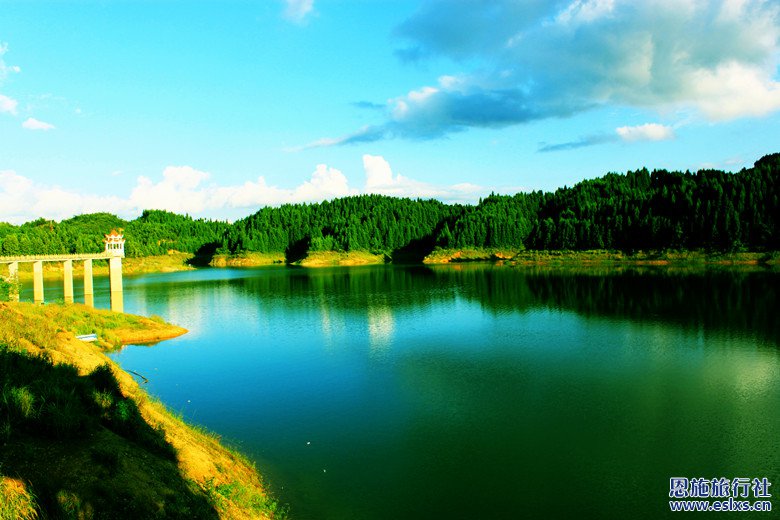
(218, 108)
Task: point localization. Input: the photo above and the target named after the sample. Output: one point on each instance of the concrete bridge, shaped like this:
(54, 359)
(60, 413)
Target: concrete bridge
(114, 253)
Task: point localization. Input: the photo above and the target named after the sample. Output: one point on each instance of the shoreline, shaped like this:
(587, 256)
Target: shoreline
(175, 262)
(152, 459)
(519, 257)
(602, 258)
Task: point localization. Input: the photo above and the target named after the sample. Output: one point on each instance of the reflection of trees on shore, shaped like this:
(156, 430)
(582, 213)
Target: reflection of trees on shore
(352, 289)
(727, 300)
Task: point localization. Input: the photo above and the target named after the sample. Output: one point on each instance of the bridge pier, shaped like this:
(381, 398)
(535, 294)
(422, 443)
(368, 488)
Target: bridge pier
(89, 292)
(13, 277)
(38, 282)
(115, 251)
(67, 283)
(114, 276)
(115, 282)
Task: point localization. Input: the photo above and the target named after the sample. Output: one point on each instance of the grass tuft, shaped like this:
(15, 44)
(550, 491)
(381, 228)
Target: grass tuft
(20, 402)
(16, 501)
(71, 506)
(222, 495)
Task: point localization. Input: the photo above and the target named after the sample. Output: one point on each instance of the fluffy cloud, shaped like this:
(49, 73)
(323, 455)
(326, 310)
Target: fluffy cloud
(22, 200)
(8, 105)
(538, 59)
(733, 90)
(380, 180)
(4, 68)
(378, 173)
(629, 134)
(325, 183)
(34, 124)
(179, 191)
(646, 132)
(298, 10)
(585, 11)
(184, 189)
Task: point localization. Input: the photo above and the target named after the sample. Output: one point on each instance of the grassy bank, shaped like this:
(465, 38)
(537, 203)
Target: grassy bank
(80, 439)
(602, 257)
(683, 258)
(247, 259)
(312, 259)
(333, 258)
(446, 256)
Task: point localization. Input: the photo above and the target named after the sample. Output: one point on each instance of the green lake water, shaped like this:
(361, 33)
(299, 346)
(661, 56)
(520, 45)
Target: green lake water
(473, 391)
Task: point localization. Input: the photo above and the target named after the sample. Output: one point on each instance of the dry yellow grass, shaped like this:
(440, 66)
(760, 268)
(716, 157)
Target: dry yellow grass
(17, 500)
(248, 259)
(222, 478)
(446, 256)
(334, 258)
(599, 257)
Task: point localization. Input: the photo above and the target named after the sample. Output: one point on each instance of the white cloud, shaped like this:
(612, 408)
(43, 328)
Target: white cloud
(11, 183)
(298, 10)
(629, 134)
(8, 105)
(179, 191)
(585, 11)
(734, 90)
(538, 59)
(34, 124)
(6, 69)
(184, 189)
(380, 180)
(22, 199)
(646, 132)
(378, 173)
(325, 183)
(319, 143)
(250, 194)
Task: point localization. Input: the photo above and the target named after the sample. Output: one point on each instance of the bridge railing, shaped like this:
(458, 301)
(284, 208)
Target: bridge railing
(55, 258)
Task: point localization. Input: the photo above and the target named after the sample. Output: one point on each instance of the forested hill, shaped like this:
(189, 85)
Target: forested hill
(709, 209)
(153, 233)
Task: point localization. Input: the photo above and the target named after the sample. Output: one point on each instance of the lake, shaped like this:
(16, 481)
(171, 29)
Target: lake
(472, 391)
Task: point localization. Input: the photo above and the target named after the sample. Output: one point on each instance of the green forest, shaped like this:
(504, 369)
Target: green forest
(708, 210)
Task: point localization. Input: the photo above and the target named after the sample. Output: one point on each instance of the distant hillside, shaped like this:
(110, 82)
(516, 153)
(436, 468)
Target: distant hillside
(153, 233)
(710, 210)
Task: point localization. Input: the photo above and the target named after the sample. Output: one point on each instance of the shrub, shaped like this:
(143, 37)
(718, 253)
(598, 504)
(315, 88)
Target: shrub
(5, 290)
(71, 506)
(104, 400)
(64, 415)
(103, 379)
(20, 402)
